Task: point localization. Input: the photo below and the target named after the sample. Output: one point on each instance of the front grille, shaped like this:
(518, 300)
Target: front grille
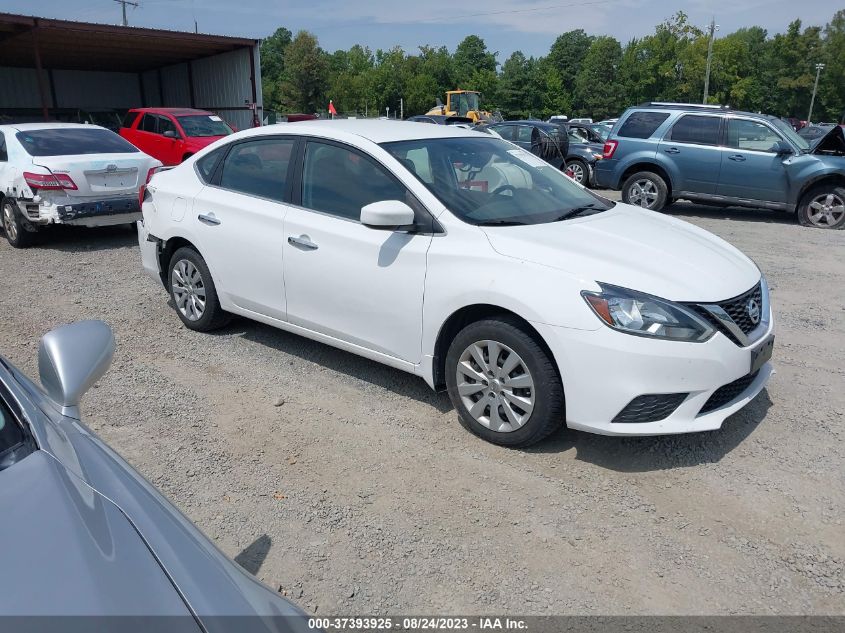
(726, 393)
(650, 408)
(737, 309)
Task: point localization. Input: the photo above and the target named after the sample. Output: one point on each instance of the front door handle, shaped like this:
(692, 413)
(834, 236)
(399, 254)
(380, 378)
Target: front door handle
(303, 241)
(737, 157)
(208, 218)
(672, 150)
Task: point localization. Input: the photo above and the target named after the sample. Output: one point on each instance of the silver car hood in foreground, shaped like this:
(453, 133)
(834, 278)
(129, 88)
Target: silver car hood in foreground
(88, 535)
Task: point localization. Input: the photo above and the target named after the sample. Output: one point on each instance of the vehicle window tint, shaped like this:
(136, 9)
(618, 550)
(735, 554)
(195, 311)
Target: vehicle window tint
(578, 135)
(691, 128)
(523, 133)
(10, 433)
(165, 124)
(418, 163)
(129, 119)
(204, 125)
(642, 124)
(4, 154)
(745, 134)
(258, 168)
(206, 164)
(149, 123)
(505, 131)
(340, 181)
(73, 141)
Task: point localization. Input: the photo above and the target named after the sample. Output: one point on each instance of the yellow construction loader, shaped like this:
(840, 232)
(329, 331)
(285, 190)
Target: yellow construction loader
(462, 103)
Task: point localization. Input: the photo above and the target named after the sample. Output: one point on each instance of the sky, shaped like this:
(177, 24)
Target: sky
(505, 25)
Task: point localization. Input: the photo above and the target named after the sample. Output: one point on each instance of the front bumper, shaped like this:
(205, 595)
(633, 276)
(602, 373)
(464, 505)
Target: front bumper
(604, 370)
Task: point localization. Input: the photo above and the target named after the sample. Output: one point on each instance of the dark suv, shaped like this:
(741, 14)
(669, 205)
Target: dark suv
(661, 152)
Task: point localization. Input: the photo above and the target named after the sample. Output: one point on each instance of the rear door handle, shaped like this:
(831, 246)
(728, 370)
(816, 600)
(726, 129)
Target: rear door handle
(208, 218)
(672, 150)
(303, 241)
(737, 157)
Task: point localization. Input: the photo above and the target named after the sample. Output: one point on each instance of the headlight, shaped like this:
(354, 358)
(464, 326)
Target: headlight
(643, 315)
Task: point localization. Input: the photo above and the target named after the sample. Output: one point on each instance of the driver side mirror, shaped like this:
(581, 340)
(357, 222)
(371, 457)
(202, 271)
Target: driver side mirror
(170, 134)
(71, 359)
(782, 148)
(387, 215)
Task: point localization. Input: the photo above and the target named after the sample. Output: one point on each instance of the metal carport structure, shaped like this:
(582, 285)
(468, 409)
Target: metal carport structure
(48, 65)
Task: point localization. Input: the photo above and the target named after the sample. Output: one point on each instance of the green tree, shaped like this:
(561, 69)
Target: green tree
(272, 55)
(305, 77)
(472, 60)
(596, 85)
(566, 54)
(831, 96)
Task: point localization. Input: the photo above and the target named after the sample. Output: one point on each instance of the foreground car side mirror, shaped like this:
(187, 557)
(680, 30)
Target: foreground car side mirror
(71, 359)
(387, 215)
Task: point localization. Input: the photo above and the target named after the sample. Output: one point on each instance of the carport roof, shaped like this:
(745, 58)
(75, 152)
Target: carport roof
(64, 44)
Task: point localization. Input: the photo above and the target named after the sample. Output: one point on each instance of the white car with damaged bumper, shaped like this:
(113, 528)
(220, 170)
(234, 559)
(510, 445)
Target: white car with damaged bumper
(64, 173)
(470, 262)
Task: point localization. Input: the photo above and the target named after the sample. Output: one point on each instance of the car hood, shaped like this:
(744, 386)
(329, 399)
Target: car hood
(70, 551)
(833, 140)
(635, 249)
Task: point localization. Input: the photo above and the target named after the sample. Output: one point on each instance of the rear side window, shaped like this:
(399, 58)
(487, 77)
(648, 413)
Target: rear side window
(642, 124)
(206, 164)
(73, 142)
(149, 123)
(340, 181)
(4, 154)
(691, 128)
(505, 131)
(129, 119)
(258, 168)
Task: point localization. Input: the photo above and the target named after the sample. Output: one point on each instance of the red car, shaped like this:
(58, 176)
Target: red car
(172, 134)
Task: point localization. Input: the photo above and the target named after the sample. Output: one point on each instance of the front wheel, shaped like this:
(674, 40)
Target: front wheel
(823, 207)
(193, 292)
(17, 233)
(645, 189)
(503, 384)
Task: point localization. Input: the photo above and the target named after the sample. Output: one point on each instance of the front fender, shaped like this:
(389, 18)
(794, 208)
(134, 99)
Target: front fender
(806, 171)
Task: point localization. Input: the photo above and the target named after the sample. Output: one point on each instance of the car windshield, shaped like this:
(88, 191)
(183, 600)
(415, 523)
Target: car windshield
(204, 125)
(791, 134)
(73, 141)
(487, 181)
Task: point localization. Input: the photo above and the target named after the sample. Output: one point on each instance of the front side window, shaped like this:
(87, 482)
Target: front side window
(642, 124)
(340, 181)
(15, 443)
(752, 135)
(258, 168)
(204, 125)
(73, 141)
(487, 181)
(505, 131)
(523, 133)
(701, 130)
(166, 125)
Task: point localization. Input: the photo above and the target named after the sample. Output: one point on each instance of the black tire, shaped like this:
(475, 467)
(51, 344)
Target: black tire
(577, 163)
(19, 233)
(213, 316)
(548, 412)
(630, 194)
(819, 195)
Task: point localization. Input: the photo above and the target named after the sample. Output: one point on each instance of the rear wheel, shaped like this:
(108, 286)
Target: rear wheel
(823, 207)
(503, 384)
(578, 171)
(645, 189)
(19, 234)
(193, 292)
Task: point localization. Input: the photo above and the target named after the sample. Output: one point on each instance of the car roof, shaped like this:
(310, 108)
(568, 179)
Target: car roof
(47, 125)
(172, 111)
(375, 130)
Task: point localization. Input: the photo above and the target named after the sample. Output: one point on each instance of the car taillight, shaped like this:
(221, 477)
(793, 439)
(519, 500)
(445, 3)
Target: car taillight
(49, 181)
(143, 189)
(609, 148)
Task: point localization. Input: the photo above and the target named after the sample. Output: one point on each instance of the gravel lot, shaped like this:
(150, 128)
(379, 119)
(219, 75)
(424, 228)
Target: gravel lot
(352, 488)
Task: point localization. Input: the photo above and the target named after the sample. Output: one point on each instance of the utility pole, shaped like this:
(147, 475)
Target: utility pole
(819, 68)
(713, 28)
(123, 4)
(401, 108)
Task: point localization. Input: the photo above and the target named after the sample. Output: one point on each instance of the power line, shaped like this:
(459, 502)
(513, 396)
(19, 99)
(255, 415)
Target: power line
(123, 4)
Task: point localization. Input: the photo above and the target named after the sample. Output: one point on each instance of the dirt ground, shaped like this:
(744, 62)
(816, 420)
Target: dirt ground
(352, 488)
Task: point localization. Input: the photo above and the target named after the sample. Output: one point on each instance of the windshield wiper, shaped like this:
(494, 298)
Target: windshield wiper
(501, 223)
(575, 211)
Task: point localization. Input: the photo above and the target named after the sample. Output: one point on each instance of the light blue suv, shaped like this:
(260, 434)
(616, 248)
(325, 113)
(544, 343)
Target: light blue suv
(661, 152)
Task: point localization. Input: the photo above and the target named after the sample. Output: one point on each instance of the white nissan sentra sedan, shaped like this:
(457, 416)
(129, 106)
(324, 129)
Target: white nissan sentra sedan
(470, 262)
